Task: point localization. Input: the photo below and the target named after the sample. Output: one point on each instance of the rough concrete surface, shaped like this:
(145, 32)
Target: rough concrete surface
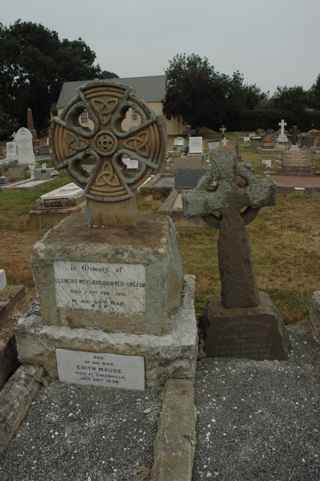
(75, 433)
(170, 356)
(260, 420)
(15, 400)
(175, 442)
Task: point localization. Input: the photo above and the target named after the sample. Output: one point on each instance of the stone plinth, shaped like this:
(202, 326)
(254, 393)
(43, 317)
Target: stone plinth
(297, 161)
(118, 279)
(252, 333)
(173, 355)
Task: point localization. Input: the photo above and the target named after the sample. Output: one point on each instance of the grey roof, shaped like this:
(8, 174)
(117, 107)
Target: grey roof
(150, 89)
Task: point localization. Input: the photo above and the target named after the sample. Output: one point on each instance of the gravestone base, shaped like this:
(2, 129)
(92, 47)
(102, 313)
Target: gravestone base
(252, 333)
(168, 356)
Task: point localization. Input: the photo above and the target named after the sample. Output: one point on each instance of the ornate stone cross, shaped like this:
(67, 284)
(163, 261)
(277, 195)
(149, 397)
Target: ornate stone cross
(228, 197)
(93, 155)
(282, 125)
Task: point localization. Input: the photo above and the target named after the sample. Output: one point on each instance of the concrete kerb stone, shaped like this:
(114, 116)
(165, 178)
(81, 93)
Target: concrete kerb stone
(314, 315)
(174, 446)
(15, 400)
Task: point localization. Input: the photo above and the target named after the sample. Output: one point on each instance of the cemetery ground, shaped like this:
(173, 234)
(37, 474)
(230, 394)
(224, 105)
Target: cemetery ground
(285, 242)
(255, 420)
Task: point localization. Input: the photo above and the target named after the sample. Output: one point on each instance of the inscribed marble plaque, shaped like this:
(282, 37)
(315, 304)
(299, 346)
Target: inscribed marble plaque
(101, 369)
(112, 288)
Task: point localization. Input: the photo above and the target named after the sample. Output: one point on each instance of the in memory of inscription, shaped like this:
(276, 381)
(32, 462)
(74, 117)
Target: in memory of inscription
(101, 369)
(110, 288)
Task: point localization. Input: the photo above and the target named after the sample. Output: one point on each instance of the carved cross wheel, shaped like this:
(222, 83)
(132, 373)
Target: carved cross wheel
(94, 156)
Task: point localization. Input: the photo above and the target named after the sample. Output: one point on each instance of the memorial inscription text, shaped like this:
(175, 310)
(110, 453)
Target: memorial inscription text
(111, 288)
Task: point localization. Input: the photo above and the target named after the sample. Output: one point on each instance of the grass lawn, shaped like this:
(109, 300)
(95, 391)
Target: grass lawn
(285, 242)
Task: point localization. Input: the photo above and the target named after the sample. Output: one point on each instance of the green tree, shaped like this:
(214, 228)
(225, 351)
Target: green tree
(34, 63)
(314, 94)
(291, 99)
(204, 97)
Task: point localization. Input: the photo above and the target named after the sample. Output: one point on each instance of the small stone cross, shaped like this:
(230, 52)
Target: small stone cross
(223, 130)
(295, 134)
(282, 125)
(228, 197)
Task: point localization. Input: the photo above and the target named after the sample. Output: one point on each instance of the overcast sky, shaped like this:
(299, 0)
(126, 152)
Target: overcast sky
(272, 42)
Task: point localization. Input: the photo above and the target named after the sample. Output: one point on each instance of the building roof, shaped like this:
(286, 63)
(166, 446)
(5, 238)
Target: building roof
(150, 89)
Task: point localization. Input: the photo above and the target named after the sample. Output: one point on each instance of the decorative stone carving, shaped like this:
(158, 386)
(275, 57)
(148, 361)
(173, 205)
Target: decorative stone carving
(93, 156)
(228, 197)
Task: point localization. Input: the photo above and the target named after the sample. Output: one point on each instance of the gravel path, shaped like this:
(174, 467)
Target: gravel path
(260, 420)
(78, 433)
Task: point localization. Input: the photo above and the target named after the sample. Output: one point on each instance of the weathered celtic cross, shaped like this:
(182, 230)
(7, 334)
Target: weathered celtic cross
(228, 197)
(94, 156)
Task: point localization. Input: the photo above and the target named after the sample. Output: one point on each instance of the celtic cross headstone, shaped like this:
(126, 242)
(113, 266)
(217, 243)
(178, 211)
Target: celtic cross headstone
(94, 157)
(228, 198)
(121, 307)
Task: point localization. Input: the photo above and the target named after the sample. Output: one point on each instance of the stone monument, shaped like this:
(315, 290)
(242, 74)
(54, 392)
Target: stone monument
(23, 138)
(11, 148)
(245, 322)
(282, 137)
(116, 309)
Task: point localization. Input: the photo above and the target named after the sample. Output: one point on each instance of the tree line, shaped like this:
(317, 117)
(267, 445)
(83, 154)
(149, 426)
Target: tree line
(204, 97)
(35, 62)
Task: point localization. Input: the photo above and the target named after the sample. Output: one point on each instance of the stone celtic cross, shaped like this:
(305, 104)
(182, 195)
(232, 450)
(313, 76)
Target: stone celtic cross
(228, 197)
(93, 155)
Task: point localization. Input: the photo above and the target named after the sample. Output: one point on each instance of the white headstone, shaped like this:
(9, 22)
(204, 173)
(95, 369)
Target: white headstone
(11, 151)
(246, 139)
(282, 138)
(23, 139)
(3, 279)
(195, 145)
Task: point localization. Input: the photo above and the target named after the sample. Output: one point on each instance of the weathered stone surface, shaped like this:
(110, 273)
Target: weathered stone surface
(252, 333)
(169, 356)
(212, 192)
(8, 359)
(175, 442)
(99, 300)
(15, 400)
(9, 297)
(314, 315)
(235, 266)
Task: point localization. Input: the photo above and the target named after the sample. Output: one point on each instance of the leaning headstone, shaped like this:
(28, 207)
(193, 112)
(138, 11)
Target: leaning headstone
(23, 139)
(116, 309)
(3, 279)
(69, 195)
(245, 322)
(195, 145)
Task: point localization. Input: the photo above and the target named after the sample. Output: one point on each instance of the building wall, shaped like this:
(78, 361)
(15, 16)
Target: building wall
(174, 126)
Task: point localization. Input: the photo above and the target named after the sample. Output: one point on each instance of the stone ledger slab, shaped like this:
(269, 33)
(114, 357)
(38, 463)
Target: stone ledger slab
(252, 333)
(171, 355)
(120, 279)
